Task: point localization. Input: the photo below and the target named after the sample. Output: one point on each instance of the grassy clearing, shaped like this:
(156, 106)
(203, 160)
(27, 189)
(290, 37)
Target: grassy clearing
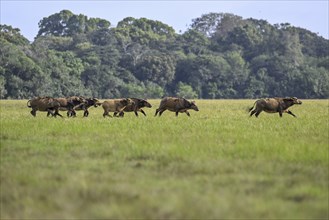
(219, 163)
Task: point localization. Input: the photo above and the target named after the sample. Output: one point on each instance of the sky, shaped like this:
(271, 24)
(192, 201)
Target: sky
(311, 15)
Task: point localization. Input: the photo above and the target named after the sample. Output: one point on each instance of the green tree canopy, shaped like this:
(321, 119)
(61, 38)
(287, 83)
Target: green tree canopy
(220, 55)
(65, 23)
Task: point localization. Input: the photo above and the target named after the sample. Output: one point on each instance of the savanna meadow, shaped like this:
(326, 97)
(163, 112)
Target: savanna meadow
(217, 164)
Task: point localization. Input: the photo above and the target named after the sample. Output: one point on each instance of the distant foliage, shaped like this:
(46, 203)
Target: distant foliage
(221, 55)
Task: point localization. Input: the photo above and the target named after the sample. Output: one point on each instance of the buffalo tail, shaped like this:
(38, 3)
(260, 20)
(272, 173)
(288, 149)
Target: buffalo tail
(28, 104)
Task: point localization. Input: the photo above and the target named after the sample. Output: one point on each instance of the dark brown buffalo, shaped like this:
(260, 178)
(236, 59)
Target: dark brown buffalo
(88, 102)
(47, 104)
(115, 105)
(68, 104)
(53, 105)
(136, 106)
(176, 105)
(274, 105)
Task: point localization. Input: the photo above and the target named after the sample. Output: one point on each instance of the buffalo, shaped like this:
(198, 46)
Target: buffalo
(136, 106)
(48, 104)
(274, 105)
(68, 104)
(53, 105)
(115, 105)
(88, 102)
(176, 105)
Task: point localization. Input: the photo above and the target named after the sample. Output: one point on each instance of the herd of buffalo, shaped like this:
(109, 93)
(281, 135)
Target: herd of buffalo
(119, 106)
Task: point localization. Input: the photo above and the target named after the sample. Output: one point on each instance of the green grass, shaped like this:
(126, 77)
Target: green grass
(217, 164)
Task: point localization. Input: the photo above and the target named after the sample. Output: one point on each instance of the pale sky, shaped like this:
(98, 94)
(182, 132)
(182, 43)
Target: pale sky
(311, 15)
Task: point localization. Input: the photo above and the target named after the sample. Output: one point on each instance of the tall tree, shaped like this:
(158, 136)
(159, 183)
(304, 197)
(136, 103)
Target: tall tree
(155, 34)
(12, 35)
(158, 68)
(20, 76)
(219, 24)
(65, 23)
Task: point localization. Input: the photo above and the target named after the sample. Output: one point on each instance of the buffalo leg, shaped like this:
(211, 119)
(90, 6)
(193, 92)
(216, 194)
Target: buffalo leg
(142, 112)
(69, 113)
(280, 110)
(57, 113)
(188, 114)
(176, 113)
(156, 112)
(136, 113)
(280, 113)
(257, 113)
(253, 112)
(121, 114)
(34, 113)
(85, 113)
(161, 111)
(49, 112)
(73, 113)
(290, 113)
(106, 113)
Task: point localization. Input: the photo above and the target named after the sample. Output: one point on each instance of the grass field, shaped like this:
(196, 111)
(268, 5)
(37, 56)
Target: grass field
(216, 164)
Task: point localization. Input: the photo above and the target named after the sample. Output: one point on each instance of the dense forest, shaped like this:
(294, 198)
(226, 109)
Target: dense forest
(220, 55)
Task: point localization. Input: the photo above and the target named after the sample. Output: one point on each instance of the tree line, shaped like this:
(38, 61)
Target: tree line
(220, 55)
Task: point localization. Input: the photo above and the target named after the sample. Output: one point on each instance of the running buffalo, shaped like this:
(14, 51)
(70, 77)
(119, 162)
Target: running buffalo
(46, 104)
(53, 105)
(136, 106)
(115, 105)
(88, 102)
(274, 105)
(68, 104)
(176, 105)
